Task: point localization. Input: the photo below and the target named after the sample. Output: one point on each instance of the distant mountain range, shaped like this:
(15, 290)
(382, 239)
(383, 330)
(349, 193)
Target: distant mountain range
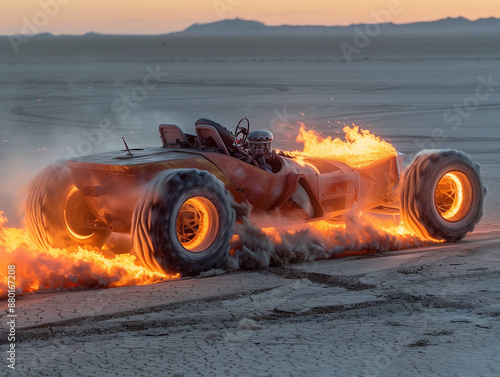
(240, 27)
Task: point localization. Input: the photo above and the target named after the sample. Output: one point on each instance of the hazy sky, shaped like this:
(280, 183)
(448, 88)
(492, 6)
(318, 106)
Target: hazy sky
(162, 16)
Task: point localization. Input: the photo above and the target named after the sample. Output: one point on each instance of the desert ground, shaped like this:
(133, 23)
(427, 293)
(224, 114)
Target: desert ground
(431, 310)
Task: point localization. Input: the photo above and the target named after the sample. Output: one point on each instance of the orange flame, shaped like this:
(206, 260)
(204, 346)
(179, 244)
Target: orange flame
(89, 267)
(65, 268)
(359, 149)
(362, 232)
(283, 244)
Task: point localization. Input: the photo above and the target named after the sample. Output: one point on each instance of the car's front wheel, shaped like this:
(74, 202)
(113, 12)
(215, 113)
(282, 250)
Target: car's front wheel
(442, 195)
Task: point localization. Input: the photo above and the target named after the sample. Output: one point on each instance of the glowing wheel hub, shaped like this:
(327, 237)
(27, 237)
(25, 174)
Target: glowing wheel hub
(197, 224)
(453, 196)
(77, 215)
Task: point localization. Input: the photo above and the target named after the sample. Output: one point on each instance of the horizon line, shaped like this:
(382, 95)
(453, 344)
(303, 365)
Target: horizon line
(249, 20)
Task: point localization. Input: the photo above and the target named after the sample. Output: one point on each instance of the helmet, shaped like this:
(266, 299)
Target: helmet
(260, 142)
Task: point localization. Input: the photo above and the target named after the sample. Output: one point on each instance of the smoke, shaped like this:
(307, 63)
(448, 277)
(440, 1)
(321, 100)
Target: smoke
(64, 269)
(254, 247)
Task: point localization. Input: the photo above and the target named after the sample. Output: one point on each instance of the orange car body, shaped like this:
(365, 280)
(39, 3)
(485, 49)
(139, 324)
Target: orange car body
(310, 188)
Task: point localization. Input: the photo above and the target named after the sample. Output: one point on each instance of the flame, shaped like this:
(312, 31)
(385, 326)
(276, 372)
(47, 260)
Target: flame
(361, 229)
(65, 268)
(251, 247)
(359, 149)
(358, 233)
(256, 247)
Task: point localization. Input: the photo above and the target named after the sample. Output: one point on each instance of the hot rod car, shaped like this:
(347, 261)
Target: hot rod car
(180, 201)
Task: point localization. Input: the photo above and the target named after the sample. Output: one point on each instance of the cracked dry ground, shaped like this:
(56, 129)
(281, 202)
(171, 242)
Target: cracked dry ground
(421, 312)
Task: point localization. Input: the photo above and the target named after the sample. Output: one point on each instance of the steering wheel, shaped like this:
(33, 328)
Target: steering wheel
(241, 132)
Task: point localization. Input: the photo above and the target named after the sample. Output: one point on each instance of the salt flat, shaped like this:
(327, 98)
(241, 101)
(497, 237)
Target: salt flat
(429, 311)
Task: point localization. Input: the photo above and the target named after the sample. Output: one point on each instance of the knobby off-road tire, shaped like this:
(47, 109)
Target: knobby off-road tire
(183, 222)
(57, 215)
(442, 195)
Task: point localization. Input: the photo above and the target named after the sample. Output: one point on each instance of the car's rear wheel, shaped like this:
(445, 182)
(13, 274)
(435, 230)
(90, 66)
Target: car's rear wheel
(57, 215)
(183, 222)
(442, 195)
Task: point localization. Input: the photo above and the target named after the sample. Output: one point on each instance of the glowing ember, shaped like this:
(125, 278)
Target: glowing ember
(65, 268)
(381, 232)
(359, 149)
(256, 247)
